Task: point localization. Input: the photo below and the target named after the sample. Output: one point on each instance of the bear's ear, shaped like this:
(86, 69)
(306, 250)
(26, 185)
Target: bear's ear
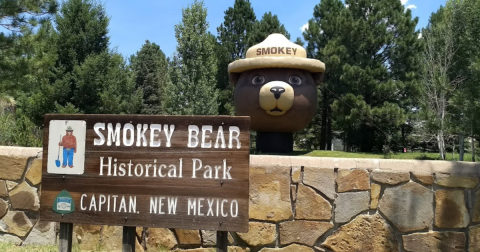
(233, 78)
(318, 78)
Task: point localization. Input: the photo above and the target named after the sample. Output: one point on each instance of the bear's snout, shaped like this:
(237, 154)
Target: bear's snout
(277, 91)
(276, 97)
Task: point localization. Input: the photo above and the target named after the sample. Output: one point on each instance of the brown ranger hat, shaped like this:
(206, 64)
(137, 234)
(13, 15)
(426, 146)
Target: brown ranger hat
(276, 51)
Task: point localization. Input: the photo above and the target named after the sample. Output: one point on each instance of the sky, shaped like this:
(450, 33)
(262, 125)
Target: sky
(134, 22)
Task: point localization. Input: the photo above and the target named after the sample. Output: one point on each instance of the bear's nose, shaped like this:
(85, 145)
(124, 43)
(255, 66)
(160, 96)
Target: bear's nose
(277, 91)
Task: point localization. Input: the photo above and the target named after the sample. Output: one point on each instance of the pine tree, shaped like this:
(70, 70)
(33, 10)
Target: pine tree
(322, 29)
(194, 66)
(40, 97)
(85, 76)
(237, 24)
(13, 13)
(267, 25)
(372, 51)
(18, 18)
(105, 86)
(232, 38)
(82, 27)
(151, 75)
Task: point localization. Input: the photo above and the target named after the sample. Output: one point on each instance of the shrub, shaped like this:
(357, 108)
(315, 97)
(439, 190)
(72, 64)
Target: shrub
(19, 131)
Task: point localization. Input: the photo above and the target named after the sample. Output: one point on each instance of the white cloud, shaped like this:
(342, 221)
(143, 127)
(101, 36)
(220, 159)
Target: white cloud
(420, 35)
(411, 6)
(408, 7)
(304, 27)
(346, 5)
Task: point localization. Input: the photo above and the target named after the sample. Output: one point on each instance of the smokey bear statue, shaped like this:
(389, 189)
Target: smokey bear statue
(276, 86)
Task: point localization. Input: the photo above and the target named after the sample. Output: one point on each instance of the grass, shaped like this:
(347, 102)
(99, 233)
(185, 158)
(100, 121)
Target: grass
(8, 247)
(408, 155)
(342, 154)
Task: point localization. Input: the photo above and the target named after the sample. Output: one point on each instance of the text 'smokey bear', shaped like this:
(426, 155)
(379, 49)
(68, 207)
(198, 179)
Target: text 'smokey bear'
(276, 86)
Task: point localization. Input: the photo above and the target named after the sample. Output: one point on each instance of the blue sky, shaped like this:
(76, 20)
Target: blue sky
(133, 22)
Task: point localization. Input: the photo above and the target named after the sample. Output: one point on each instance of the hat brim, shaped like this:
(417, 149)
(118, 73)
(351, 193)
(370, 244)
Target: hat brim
(242, 65)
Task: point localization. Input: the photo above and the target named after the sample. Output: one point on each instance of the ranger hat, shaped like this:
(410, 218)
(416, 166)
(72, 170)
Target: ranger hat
(69, 128)
(276, 51)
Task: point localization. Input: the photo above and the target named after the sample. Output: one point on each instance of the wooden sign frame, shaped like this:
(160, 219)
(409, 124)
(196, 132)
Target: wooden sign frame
(189, 172)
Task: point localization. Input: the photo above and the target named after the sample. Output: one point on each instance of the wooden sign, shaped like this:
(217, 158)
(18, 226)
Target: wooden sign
(189, 172)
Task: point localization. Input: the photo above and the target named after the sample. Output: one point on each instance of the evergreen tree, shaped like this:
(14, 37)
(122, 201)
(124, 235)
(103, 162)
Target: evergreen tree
(40, 97)
(322, 29)
(19, 18)
(267, 25)
(108, 89)
(13, 13)
(232, 38)
(151, 75)
(194, 66)
(82, 27)
(371, 50)
(237, 24)
(85, 76)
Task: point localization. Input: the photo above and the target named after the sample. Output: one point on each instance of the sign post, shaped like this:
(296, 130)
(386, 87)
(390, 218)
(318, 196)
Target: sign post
(128, 239)
(222, 241)
(65, 237)
(189, 172)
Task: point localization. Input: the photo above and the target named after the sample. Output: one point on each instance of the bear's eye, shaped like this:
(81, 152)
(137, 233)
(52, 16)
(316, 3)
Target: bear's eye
(295, 80)
(258, 80)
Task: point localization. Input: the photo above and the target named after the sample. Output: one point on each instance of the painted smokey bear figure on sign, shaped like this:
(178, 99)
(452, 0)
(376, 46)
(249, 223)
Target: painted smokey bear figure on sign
(276, 86)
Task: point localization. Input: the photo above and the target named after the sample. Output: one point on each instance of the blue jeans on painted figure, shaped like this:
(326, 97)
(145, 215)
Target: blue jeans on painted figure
(67, 156)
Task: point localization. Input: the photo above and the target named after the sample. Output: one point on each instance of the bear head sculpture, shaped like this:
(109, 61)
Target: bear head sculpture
(276, 85)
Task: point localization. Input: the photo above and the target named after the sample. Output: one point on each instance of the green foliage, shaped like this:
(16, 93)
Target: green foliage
(267, 25)
(194, 67)
(79, 74)
(15, 14)
(232, 37)
(225, 88)
(103, 86)
(371, 50)
(150, 68)
(464, 16)
(19, 131)
(19, 18)
(82, 30)
(450, 87)
(233, 32)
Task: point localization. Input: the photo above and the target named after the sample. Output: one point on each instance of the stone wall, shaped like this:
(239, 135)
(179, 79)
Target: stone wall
(296, 204)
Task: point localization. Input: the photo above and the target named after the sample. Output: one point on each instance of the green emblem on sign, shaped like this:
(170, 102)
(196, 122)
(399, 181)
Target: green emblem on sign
(63, 203)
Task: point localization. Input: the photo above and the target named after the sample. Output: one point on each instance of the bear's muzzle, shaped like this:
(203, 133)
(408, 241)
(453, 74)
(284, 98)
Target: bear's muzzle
(276, 97)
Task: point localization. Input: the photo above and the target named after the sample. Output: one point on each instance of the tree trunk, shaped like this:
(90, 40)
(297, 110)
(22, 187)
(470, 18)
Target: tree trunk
(441, 144)
(473, 149)
(329, 128)
(453, 149)
(461, 139)
(324, 125)
(323, 132)
(473, 143)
